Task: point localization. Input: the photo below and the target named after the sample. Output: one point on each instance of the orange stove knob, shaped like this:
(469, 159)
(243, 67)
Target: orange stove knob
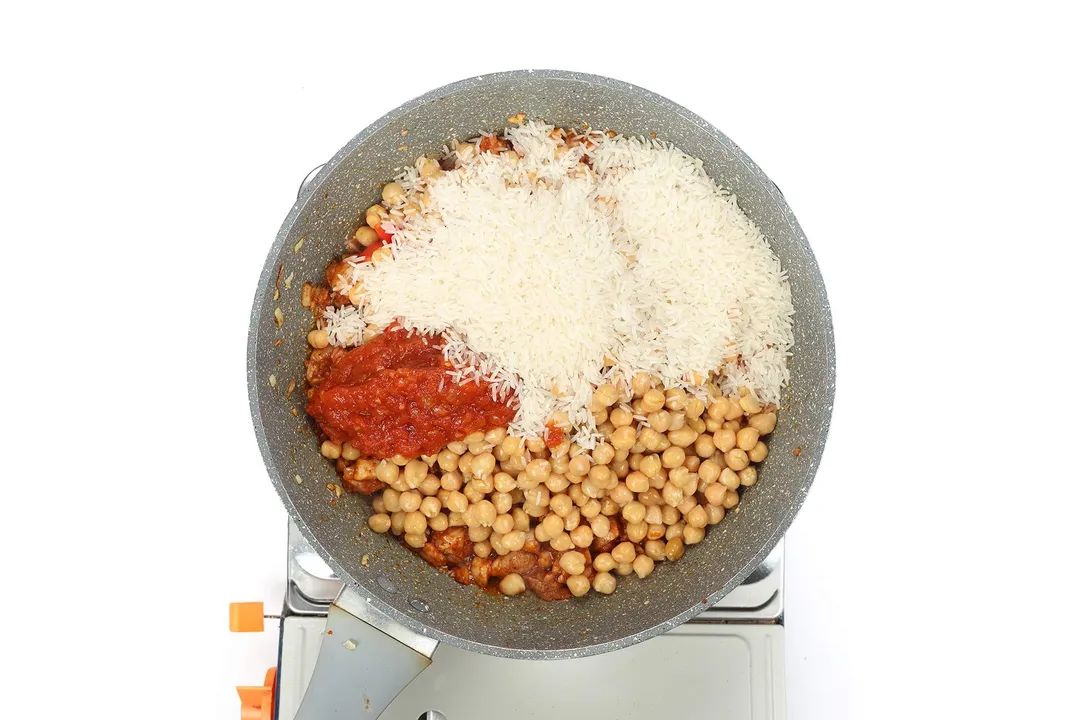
(257, 702)
(246, 617)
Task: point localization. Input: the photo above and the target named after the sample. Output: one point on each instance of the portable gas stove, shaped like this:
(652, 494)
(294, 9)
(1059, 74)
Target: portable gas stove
(728, 662)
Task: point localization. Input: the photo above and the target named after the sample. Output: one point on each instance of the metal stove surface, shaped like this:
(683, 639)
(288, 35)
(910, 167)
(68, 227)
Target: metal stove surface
(728, 662)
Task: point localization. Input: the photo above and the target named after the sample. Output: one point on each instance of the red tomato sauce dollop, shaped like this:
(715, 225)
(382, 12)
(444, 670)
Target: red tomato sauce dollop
(392, 396)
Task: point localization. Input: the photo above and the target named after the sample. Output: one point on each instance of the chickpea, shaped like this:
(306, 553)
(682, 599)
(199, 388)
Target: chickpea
(624, 569)
(561, 505)
(604, 562)
(379, 522)
(603, 583)
(562, 542)
(538, 470)
(708, 473)
(553, 524)
(620, 467)
(747, 438)
(465, 464)
(650, 467)
(582, 536)
(318, 339)
(391, 500)
(456, 502)
(600, 526)
(697, 518)
(386, 471)
(623, 438)
(711, 426)
(731, 499)
(715, 513)
(643, 566)
(415, 540)
(672, 494)
(578, 585)
(539, 496)
(736, 459)
(415, 472)
(718, 409)
(693, 535)
(640, 384)
(734, 410)
(678, 422)
(430, 507)
(764, 423)
(652, 401)
(750, 404)
(377, 504)
(375, 216)
(541, 534)
(621, 494)
(687, 505)
(608, 507)
(330, 449)
(748, 476)
(682, 438)
(577, 495)
(675, 399)
(513, 446)
(655, 550)
(704, 447)
(440, 522)
(729, 479)
(536, 446)
(732, 425)
(620, 417)
(503, 524)
(759, 452)
(634, 512)
(637, 482)
(651, 497)
(605, 396)
(715, 493)
(473, 493)
(724, 439)
(603, 454)
(512, 584)
(674, 548)
(579, 465)
(660, 421)
(456, 519)
(600, 416)
(514, 540)
(410, 501)
(673, 457)
(483, 465)
(624, 552)
(572, 562)
(664, 444)
(415, 523)
(397, 522)
(695, 408)
(637, 531)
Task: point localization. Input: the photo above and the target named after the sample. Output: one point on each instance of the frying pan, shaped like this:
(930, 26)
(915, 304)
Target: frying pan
(389, 585)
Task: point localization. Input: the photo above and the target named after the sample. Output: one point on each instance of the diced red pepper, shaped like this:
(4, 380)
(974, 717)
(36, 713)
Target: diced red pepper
(554, 436)
(383, 235)
(370, 250)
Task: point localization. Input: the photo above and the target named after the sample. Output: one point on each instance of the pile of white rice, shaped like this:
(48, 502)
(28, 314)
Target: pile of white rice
(548, 277)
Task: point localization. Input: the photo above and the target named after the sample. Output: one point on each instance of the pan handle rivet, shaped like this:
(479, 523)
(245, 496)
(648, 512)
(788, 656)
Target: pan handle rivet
(385, 584)
(420, 605)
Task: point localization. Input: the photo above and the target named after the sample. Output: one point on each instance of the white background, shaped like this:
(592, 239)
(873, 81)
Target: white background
(149, 153)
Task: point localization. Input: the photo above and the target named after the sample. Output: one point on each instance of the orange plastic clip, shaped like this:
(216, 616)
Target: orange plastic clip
(257, 703)
(246, 617)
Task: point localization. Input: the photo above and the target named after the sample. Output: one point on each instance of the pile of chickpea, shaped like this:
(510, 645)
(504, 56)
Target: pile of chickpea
(665, 479)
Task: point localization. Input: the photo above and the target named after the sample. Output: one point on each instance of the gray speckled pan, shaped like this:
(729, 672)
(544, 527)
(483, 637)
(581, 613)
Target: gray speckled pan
(396, 580)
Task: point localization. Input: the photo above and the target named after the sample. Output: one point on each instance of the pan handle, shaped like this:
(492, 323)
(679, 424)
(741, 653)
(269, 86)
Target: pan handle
(365, 661)
(307, 180)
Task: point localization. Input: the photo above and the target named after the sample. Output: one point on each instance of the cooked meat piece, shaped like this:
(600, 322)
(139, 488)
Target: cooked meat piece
(494, 144)
(481, 571)
(337, 273)
(432, 555)
(454, 543)
(519, 562)
(360, 477)
(320, 363)
(605, 544)
(365, 486)
(462, 574)
(545, 585)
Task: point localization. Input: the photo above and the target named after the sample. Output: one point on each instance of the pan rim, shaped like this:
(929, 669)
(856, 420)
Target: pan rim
(266, 280)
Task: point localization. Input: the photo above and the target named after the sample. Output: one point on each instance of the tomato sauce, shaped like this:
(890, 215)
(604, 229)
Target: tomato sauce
(392, 396)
